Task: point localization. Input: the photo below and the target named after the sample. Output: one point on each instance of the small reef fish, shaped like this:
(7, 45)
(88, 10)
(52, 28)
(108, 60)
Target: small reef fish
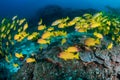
(72, 49)
(14, 18)
(87, 16)
(71, 23)
(19, 55)
(40, 22)
(98, 35)
(43, 41)
(74, 21)
(46, 35)
(30, 37)
(50, 29)
(62, 25)
(3, 21)
(97, 15)
(82, 30)
(68, 56)
(15, 65)
(20, 29)
(8, 58)
(22, 21)
(60, 33)
(3, 29)
(25, 26)
(91, 42)
(116, 31)
(41, 27)
(63, 41)
(30, 60)
(94, 24)
(108, 23)
(8, 32)
(33, 35)
(110, 45)
(55, 23)
(19, 37)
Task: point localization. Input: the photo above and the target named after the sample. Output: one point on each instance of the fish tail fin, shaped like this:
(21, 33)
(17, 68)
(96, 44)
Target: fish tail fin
(77, 56)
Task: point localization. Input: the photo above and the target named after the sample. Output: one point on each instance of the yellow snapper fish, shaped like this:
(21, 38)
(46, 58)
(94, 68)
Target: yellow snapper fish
(16, 37)
(33, 35)
(68, 56)
(15, 65)
(91, 42)
(43, 41)
(108, 23)
(41, 27)
(62, 25)
(71, 23)
(25, 26)
(98, 35)
(63, 41)
(19, 55)
(87, 16)
(72, 49)
(76, 19)
(116, 31)
(12, 26)
(97, 15)
(55, 23)
(65, 19)
(113, 37)
(8, 31)
(60, 33)
(14, 18)
(7, 43)
(30, 60)
(8, 58)
(82, 30)
(110, 45)
(19, 37)
(22, 21)
(30, 37)
(40, 22)
(20, 29)
(3, 21)
(46, 35)
(95, 24)
(3, 28)
(50, 29)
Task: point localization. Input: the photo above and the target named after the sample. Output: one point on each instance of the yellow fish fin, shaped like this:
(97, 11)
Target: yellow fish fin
(77, 55)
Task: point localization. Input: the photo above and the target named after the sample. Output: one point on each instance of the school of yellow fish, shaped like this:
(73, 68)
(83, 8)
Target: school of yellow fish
(99, 25)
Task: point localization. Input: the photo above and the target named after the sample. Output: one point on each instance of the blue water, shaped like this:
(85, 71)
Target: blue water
(28, 8)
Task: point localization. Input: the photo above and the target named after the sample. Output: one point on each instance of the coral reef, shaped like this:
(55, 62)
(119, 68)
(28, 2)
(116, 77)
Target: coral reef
(101, 65)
